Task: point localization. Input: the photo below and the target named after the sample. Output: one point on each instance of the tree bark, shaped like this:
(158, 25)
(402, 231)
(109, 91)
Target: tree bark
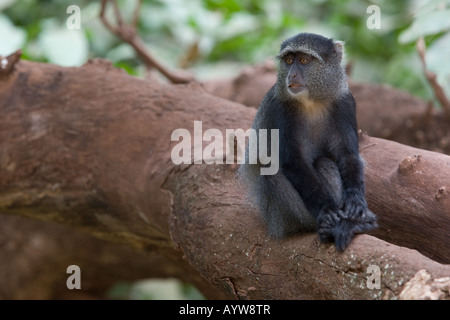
(91, 148)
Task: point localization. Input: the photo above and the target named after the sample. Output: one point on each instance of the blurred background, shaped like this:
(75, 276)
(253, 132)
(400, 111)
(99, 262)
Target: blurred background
(218, 38)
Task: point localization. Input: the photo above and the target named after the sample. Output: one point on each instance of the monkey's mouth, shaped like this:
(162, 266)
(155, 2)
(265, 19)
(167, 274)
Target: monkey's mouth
(296, 88)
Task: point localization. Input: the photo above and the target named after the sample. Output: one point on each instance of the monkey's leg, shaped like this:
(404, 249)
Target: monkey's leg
(279, 203)
(282, 207)
(330, 177)
(342, 227)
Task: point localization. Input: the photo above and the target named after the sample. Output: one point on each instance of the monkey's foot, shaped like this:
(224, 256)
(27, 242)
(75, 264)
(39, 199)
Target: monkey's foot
(343, 234)
(327, 223)
(347, 228)
(333, 229)
(339, 228)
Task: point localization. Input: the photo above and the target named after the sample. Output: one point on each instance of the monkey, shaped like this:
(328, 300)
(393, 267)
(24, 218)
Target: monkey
(320, 182)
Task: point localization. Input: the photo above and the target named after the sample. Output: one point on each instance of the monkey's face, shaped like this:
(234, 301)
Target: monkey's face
(310, 68)
(296, 65)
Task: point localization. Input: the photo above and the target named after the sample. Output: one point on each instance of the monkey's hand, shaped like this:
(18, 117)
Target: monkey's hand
(340, 226)
(355, 217)
(333, 227)
(355, 210)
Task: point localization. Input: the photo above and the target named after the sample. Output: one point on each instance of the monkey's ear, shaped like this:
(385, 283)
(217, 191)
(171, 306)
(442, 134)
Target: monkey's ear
(339, 48)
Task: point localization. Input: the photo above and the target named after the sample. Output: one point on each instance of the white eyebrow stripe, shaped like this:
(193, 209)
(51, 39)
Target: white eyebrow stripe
(303, 49)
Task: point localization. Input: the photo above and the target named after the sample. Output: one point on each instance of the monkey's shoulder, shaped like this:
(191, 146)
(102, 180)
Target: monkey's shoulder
(344, 113)
(272, 111)
(345, 104)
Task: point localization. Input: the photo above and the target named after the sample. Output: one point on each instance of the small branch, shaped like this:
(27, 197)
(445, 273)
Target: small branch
(7, 63)
(128, 33)
(432, 79)
(135, 19)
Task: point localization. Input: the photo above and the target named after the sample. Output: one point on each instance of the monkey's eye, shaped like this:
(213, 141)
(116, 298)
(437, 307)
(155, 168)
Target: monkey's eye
(304, 61)
(289, 60)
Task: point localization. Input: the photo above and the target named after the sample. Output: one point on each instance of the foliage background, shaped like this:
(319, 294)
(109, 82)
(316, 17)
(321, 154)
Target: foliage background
(217, 38)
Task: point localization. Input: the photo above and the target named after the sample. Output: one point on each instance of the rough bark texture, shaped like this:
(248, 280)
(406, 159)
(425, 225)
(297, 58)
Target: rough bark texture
(90, 148)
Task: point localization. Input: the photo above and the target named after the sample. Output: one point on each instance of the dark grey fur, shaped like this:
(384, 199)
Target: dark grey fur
(320, 184)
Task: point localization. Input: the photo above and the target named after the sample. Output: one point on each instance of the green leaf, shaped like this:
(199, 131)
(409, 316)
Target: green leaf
(63, 46)
(15, 36)
(426, 24)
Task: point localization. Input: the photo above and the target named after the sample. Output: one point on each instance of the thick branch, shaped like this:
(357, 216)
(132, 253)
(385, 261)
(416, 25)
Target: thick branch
(248, 265)
(91, 148)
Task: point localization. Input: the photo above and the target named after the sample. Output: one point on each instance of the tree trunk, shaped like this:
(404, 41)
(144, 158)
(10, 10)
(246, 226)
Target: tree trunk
(91, 148)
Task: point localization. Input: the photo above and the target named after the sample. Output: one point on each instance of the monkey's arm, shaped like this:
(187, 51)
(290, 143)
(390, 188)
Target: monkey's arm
(350, 163)
(352, 174)
(355, 216)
